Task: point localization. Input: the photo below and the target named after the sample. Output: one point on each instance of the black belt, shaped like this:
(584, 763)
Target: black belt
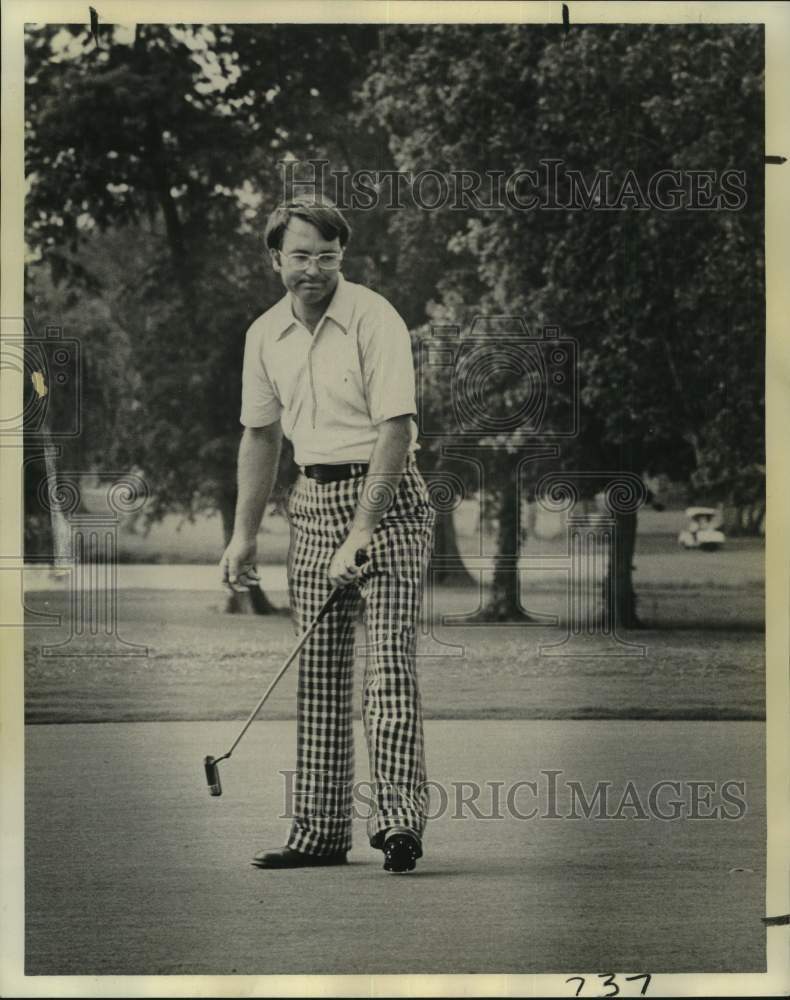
(334, 473)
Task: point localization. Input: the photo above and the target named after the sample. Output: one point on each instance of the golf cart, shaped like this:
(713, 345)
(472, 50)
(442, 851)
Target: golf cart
(702, 530)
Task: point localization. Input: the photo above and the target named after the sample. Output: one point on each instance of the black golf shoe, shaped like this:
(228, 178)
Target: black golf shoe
(286, 857)
(401, 851)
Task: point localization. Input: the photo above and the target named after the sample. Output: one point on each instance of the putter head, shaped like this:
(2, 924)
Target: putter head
(212, 776)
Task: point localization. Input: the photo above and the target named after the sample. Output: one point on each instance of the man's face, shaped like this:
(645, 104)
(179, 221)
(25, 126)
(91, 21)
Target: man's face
(311, 286)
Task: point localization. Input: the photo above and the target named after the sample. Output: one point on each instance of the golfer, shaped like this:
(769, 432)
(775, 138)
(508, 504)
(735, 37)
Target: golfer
(330, 366)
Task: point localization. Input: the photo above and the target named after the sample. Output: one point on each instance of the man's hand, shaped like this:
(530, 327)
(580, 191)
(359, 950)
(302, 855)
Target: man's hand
(343, 569)
(238, 565)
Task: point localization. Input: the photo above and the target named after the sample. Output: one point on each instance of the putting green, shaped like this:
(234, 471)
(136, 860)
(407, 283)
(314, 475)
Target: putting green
(132, 868)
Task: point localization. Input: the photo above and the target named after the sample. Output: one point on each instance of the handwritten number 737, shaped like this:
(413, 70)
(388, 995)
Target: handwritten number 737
(609, 980)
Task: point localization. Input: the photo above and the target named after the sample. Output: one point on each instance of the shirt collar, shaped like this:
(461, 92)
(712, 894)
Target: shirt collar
(339, 309)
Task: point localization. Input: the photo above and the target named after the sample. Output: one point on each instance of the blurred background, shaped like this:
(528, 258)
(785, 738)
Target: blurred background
(155, 152)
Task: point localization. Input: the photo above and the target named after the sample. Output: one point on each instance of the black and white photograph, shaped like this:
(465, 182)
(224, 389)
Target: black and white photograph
(394, 539)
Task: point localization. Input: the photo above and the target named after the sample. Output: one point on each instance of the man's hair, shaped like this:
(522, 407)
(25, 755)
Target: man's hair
(326, 217)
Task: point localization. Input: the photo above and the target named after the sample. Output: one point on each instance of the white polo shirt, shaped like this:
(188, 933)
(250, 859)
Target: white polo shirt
(331, 388)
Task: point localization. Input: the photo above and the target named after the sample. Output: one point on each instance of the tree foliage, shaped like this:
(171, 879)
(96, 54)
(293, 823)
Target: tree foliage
(667, 306)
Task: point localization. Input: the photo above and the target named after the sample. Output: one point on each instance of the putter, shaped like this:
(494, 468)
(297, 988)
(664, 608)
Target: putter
(211, 764)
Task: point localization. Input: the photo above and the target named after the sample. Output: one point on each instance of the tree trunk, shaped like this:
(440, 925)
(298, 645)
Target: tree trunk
(504, 603)
(746, 520)
(179, 252)
(619, 597)
(446, 546)
(252, 601)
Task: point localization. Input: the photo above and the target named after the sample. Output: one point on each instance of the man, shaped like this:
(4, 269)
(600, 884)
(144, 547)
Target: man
(330, 366)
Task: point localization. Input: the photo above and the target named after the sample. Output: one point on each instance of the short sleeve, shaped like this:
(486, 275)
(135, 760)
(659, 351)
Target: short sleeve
(259, 403)
(387, 365)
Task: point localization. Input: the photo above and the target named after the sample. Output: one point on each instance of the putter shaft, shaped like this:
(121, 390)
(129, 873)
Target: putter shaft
(211, 763)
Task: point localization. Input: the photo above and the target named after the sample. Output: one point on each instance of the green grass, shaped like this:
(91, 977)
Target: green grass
(704, 659)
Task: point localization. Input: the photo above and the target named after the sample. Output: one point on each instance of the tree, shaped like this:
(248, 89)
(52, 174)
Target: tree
(667, 307)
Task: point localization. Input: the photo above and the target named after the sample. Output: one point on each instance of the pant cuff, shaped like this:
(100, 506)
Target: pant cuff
(310, 841)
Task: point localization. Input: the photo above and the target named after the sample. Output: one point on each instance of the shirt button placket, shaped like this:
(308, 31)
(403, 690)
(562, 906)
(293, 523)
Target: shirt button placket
(310, 372)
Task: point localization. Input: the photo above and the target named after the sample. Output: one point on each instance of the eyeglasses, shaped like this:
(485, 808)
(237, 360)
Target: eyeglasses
(329, 261)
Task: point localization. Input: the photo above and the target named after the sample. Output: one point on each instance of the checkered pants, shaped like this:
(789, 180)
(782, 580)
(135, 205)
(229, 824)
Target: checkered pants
(391, 584)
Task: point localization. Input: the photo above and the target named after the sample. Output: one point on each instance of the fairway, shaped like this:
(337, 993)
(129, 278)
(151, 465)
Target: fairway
(199, 663)
(703, 658)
